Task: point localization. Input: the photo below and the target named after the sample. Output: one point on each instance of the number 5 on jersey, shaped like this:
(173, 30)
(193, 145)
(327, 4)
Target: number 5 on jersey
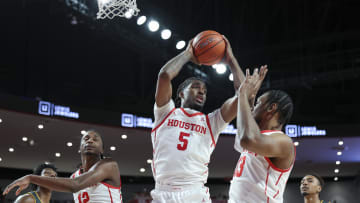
(184, 142)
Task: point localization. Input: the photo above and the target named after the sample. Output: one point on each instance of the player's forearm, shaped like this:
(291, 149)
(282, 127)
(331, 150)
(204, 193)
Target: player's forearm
(172, 68)
(238, 74)
(247, 127)
(56, 184)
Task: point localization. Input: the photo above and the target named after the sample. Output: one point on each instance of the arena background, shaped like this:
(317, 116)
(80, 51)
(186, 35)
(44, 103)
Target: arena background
(58, 54)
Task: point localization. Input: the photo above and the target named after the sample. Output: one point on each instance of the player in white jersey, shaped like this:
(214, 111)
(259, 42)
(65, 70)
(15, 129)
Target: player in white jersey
(184, 138)
(267, 154)
(97, 181)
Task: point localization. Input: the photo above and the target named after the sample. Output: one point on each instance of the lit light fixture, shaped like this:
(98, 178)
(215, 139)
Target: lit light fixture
(153, 25)
(104, 1)
(336, 178)
(0, 159)
(180, 44)
(31, 142)
(0, 120)
(340, 142)
(57, 154)
(40, 126)
(69, 144)
(337, 162)
(231, 77)
(112, 148)
(220, 68)
(124, 137)
(339, 153)
(83, 132)
(296, 143)
(165, 34)
(141, 20)
(149, 161)
(142, 170)
(129, 13)
(336, 170)
(24, 139)
(11, 149)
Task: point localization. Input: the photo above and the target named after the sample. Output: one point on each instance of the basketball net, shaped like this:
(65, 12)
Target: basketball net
(111, 8)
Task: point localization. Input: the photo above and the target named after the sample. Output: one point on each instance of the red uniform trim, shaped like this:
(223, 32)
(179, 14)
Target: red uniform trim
(209, 126)
(191, 115)
(277, 182)
(271, 131)
(267, 178)
(279, 169)
(110, 194)
(276, 194)
(110, 186)
(163, 120)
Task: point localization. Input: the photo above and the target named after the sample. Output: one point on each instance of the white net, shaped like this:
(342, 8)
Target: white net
(111, 8)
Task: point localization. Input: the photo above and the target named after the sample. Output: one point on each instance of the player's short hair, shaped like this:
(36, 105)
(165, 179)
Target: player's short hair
(40, 168)
(320, 179)
(182, 86)
(284, 102)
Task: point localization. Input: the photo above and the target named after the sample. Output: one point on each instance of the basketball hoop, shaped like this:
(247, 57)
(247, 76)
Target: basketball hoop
(111, 8)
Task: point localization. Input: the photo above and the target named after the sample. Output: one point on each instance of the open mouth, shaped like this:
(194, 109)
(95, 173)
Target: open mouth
(200, 99)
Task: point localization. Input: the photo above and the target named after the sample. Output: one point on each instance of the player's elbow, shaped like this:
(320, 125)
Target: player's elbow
(247, 142)
(163, 75)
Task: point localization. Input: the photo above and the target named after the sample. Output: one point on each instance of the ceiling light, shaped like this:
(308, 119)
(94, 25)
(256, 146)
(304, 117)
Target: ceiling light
(153, 25)
(336, 178)
(124, 137)
(337, 162)
(69, 144)
(129, 13)
(149, 161)
(165, 34)
(31, 142)
(141, 20)
(180, 44)
(57, 154)
(40, 126)
(339, 153)
(231, 77)
(0, 120)
(11, 149)
(340, 142)
(112, 148)
(142, 170)
(0, 159)
(296, 143)
(83, 132)
(336, 170)
(220, 68)
(25, 139)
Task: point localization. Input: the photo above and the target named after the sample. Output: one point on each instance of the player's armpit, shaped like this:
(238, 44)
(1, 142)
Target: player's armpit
(229, 109)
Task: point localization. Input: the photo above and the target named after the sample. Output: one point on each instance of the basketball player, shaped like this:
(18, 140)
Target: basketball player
(98, 180)
(40, 194)
(310, 188)
(267, 154)
(184, 138)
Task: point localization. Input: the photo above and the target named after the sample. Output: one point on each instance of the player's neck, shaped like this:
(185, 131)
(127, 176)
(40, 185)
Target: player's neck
(88, 161)
(44, 194)
(312, 198)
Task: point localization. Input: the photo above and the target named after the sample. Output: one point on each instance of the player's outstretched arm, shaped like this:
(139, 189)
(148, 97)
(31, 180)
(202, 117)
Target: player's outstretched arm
(104, 169)
(168, 72)
(275, 145)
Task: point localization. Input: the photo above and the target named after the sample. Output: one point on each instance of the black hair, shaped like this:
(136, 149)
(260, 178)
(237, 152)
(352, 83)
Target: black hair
(284, 102)
(321, 181)
(102, 140)
(39, 169)
(182, 86)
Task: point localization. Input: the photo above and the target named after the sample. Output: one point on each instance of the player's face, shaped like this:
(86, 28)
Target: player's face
(195, 95)
(91, 144)
(309, 185)
(48, 172)
(260, 108)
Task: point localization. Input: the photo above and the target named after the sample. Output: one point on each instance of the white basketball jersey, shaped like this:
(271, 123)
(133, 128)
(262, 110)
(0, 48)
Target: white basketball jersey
(98, 193)
(256, 178)
(183, 140)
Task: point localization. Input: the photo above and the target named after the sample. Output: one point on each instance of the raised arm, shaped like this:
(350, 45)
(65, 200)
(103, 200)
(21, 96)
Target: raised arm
(275, 145)
(105, 169)
(168, 72)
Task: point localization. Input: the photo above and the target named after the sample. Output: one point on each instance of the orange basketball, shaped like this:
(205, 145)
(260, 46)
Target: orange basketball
(209, 47)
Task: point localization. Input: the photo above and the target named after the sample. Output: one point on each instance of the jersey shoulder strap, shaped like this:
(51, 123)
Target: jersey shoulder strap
(36, 197)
